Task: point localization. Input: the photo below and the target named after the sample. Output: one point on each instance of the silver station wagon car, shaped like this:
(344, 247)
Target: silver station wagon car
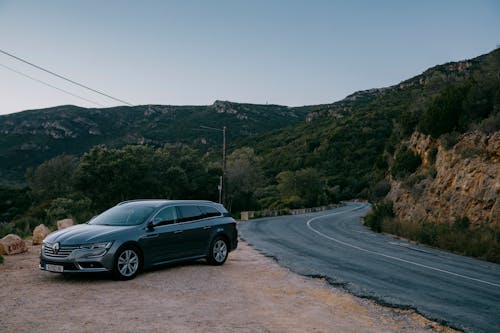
(141, 234)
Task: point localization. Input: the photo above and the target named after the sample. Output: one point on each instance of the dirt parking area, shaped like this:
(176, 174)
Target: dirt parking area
(250, 293)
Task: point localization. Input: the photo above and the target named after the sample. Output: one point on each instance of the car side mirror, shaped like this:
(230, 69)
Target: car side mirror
(151, 225)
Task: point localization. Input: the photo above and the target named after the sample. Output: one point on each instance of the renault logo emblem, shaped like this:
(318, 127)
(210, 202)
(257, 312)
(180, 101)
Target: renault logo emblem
(56, 247)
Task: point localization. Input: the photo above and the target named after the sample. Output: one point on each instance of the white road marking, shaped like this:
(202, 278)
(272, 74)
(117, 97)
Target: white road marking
(388, 256)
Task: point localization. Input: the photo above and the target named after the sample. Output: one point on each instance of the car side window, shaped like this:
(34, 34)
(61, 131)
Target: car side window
(209, 211)
(189, 213)
(166, 216)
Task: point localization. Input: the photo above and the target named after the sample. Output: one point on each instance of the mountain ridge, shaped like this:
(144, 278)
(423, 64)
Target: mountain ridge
(29, 137)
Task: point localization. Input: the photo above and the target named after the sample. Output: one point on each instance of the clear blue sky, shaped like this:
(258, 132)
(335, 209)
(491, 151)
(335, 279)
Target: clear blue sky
(194, 52)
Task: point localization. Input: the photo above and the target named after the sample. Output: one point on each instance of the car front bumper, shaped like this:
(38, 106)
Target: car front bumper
(76, 261)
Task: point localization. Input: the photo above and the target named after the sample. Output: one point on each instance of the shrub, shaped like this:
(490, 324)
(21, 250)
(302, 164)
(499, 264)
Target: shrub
(405, 163)
(375, 219)
(380, 190)
(483, 243)
(432, 155)
(413, 180)
(79, 209)
(470, 152)
(490, 124)
(442, 116)
(462, 223)
(22, 226)
(449, 140)
(1, 260)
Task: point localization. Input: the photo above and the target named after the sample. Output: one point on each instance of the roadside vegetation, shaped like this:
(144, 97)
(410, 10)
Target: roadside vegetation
(458, 237)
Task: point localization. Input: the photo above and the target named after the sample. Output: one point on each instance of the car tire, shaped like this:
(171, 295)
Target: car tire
(218, 251)
(127, 263)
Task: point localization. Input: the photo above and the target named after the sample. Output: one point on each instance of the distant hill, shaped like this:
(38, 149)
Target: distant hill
(30, 137)
(353, 142)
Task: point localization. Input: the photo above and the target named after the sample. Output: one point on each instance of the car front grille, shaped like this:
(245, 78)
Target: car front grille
(63, 252)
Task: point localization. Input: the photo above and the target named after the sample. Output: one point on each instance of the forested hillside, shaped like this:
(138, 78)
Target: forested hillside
(355, 143)
(28, 138)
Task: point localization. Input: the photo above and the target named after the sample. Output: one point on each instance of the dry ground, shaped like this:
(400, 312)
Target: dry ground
(250, 293)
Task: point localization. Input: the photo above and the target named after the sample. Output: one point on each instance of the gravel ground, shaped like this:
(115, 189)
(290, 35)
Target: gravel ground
(250, 293)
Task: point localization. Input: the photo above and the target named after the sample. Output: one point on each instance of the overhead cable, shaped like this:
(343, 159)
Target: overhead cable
(65, 78)
(50, 85)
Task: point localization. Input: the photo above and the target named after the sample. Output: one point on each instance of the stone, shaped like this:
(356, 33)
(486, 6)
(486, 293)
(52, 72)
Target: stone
(39, 234)
(12, 244)
(61, 224)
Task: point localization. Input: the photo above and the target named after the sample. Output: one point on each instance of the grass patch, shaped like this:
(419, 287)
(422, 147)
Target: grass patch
(459, 237)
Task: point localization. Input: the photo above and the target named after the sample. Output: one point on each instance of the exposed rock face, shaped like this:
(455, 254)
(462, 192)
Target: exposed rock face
(39, 234)
(12, 244)
(61, 224)
(464, 181)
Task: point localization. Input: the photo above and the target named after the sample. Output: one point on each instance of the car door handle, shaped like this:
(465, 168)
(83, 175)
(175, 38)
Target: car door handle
(178, 231)
(151, 236)
(207, 227)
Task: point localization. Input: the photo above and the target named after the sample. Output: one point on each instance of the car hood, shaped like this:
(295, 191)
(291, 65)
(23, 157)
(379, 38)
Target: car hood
(86, 233)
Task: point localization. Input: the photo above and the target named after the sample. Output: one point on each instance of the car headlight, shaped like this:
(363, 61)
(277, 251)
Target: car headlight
(96, 249)
(95, 246)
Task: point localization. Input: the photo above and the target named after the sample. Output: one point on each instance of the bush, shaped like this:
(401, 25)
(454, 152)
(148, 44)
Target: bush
(79, 209)
(380, 190)
(432, 155)
(483, 243)
(490, 124)
(1, 260)
(22, 226)
(5, 228)
(405, 163)
(449, 140)
(375, 219)
(462, 223)
(443, 114)
(471, 152)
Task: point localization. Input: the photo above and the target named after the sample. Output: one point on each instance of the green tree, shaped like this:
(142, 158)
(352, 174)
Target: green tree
(53, 178)
(243, 177)
(77, 208)
(302, 188)
(444, 113)
(108, 176)
(405, 163)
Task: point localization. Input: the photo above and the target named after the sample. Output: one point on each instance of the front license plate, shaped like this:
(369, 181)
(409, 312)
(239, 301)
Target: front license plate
(54, 268)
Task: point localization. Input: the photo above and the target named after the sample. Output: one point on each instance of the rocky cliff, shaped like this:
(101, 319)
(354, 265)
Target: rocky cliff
(454, 181)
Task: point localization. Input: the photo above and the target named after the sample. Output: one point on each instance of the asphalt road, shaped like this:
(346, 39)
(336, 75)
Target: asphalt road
(458, 291)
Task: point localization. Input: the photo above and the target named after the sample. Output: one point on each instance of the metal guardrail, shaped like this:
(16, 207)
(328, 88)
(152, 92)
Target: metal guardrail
(254, 214)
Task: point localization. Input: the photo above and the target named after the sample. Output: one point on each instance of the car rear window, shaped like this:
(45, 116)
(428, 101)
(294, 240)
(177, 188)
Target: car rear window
(189, 213)
(209, 211)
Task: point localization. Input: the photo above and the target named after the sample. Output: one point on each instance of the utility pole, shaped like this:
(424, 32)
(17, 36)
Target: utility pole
(222, 181)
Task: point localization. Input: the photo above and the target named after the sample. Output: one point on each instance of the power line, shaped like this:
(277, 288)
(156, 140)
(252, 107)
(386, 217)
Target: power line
(65, 78)
(50, 85)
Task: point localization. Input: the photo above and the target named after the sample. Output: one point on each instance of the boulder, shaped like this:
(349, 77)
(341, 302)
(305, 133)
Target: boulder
(39, 233)
(12, 244)
(61, 224)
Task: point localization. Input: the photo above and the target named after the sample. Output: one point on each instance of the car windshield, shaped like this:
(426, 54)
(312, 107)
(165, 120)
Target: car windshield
(123, 215)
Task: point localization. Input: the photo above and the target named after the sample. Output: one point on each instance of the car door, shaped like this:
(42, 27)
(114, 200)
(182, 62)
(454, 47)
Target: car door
(161, 241)
(193, 231)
